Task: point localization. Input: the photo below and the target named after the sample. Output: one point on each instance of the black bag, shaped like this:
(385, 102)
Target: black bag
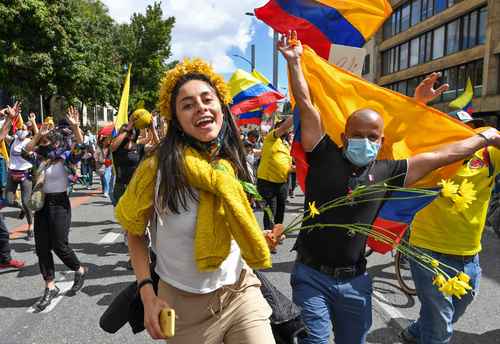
(127, 307)
(286, 322)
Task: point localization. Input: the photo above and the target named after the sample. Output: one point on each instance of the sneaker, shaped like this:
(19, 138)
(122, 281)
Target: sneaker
(407, 337)
(13, 263)
(46, 299)
(29, 234)
(79, 280)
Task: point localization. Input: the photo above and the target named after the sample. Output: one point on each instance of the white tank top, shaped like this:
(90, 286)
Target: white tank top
(56, 178)
(173, 242)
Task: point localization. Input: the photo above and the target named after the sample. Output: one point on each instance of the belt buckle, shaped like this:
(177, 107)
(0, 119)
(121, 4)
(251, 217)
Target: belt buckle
(347, 272)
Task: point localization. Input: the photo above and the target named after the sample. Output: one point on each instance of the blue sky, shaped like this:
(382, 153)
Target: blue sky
(263, 41)
(213, 30)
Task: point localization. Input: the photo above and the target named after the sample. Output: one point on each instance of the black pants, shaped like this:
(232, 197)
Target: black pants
(275, 195)
(52, 225)
(4, 242)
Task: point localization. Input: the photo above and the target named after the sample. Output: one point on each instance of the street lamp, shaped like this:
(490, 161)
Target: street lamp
(275, 53)
(252, 62)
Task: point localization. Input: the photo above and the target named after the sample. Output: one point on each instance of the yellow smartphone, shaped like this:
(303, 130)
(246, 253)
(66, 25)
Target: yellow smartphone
(167, 322)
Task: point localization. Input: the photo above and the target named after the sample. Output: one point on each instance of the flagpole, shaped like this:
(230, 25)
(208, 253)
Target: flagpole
(275, 59)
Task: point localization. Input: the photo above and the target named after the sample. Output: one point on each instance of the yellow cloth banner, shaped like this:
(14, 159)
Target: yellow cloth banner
(122, 116)
(410, 127)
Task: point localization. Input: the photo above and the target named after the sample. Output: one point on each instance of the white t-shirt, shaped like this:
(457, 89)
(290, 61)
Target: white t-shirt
(16, 162)
(56, 178)
(173, 242)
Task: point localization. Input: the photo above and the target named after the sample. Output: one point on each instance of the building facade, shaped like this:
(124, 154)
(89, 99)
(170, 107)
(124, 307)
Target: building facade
(459, 38)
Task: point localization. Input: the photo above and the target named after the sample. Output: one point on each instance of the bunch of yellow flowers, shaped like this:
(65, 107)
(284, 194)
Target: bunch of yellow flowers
(461, 195)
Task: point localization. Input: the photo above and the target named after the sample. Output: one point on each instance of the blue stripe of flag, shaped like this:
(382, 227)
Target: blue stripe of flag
(327, 19)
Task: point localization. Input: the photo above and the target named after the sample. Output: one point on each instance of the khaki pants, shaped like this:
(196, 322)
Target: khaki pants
(235, 314)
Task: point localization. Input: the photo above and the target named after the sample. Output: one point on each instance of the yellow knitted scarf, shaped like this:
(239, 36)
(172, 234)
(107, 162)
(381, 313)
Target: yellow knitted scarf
(223, 213)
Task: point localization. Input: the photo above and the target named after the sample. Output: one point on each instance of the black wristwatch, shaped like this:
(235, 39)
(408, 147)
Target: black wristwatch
(142, 283)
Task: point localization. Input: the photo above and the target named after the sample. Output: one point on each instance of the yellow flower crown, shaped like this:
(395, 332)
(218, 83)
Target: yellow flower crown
(187, 67)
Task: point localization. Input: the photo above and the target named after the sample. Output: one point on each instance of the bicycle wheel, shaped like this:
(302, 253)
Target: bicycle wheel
(403, 274)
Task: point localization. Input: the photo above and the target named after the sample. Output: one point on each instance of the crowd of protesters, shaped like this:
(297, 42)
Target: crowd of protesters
(185, 171)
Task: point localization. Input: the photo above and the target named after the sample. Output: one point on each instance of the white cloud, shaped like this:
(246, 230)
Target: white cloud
(203, 28)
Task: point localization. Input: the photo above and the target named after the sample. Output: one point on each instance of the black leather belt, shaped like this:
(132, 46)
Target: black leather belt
(465, 259)
(344, 272)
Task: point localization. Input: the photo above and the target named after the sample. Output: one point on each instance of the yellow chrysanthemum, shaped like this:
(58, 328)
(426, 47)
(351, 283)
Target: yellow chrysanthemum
(465, 196)
(467, 191)
(455, 287)
(449, 188)
(439, 281)
(463, 277)
(188, 66)
(313, 211)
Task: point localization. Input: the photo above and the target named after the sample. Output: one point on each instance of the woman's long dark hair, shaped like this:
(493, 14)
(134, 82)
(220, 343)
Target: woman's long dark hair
(174, 190)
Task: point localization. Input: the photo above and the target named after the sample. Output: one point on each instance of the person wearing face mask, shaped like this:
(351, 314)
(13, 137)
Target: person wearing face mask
(329, 279)
(20, 175)
(272, 174)
(56, 160)
(203, 230)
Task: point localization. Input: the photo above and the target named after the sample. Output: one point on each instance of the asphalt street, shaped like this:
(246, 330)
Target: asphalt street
(98, 242)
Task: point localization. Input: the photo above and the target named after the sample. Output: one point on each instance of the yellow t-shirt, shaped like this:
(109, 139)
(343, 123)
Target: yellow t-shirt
(436, 228)
(276, 161)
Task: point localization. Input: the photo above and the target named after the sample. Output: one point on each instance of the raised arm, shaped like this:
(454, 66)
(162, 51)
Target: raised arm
(118, 140)
(310, 121)
(425, 91)
(73, 119)
(32, 119)
(422, 164)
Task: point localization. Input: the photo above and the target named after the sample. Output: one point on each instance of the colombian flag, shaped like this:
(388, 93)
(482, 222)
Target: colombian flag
(252, 96)
(464, 102)
(322, 23)
(410, 128)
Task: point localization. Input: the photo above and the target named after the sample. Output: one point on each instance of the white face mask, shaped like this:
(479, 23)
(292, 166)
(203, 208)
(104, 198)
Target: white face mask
(22, 134)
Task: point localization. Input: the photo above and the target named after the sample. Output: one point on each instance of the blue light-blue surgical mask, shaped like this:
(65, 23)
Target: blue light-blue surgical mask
(361, 151)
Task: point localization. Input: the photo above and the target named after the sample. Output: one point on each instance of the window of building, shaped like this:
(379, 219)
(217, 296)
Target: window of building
(452, 37)
(403, 56)
(416, 11)
(414, 52)
(405, 17)
(440, 6)
(427, 9)
(438, 43)
(366, 65)
(412, 86)
(395, 59)
(465, 31)
(477, 78)
(396, 22)
(483, 18)
(388, 28)
(401, 88)
(473, 29)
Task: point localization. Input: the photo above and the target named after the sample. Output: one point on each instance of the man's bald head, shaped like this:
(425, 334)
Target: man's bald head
(365, 123)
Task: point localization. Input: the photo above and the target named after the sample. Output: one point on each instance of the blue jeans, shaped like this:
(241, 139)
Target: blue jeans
(106, 180)
(344, 306)
(438, 313)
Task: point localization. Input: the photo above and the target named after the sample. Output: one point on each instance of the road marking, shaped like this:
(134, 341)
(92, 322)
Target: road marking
(392, 312)
(109, 238)
(63, 286)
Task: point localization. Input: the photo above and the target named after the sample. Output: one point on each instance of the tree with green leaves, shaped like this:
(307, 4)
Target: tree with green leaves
(145, 43)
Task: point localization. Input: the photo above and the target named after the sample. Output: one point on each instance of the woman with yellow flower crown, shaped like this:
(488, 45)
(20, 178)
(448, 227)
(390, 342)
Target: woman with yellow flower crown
(205, 237)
